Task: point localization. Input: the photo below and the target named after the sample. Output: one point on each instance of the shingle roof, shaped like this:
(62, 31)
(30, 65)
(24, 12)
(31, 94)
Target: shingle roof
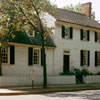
(75, 18)
(22, 37)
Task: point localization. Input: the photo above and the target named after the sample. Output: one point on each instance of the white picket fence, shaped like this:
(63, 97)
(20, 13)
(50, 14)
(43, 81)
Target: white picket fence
(6, 81)
(91, 79)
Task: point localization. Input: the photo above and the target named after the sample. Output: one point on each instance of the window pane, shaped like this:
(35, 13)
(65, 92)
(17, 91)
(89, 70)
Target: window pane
(98, 37)
(36, 56)
(84, 57)
(4, 54)
(67, 32)
(98, 58)
(84, 34)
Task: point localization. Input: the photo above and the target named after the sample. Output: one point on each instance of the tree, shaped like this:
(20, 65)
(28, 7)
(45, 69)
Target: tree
(21, 15)
(77, 8)
(3, 37)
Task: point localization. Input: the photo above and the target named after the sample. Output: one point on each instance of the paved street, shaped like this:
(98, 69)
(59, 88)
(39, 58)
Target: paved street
(81, 95)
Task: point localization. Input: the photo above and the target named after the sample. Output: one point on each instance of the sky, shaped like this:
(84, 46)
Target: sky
(95, 5)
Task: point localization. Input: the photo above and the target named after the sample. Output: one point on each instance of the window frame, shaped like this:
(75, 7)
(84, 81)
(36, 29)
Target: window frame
(86, 58)
(28, 32)
(85, 33)
(8, 60)
(67, 33)
(98, 38)
(98, 63)
(39, 56)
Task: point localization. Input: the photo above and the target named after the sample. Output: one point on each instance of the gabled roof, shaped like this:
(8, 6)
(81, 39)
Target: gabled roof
(75, 18)
(22, 37)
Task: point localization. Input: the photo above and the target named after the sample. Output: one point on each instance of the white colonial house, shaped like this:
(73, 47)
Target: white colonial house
(75, 43)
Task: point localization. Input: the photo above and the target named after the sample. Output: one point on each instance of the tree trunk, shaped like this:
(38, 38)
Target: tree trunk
(44, 64)
(0, 63)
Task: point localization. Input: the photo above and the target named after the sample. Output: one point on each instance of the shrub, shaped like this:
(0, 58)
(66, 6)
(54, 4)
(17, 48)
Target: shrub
(98, 73)
(79, 77)
(80, 73)
(84, 72)
(91, 73)
(77, 71)
(68, 73)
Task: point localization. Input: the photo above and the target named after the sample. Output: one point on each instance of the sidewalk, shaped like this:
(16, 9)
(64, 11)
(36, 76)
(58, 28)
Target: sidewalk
(50, 89)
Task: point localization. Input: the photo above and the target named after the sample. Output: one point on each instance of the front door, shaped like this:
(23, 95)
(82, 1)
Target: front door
(66, 60)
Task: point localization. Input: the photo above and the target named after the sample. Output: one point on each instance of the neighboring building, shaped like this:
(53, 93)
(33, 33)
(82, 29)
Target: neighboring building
(75, 43)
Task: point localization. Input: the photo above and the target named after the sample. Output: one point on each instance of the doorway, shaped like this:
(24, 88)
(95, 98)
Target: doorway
(66, 63)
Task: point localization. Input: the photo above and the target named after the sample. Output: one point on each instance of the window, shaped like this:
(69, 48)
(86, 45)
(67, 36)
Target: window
(98, 58)
(85, 34)
(67, 32)
(85, 58)
(66, 52)
(97, 36)
(36, 54)
(4, 52)
(30, 33)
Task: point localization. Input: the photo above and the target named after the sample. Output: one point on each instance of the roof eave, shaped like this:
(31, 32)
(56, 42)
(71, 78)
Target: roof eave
(77, 25)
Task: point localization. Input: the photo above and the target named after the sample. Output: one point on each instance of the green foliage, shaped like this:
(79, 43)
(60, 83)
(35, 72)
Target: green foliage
(84, 72)
(98, 73)
(76, 8)
(67, 73)
(80, 73)
(79, 77)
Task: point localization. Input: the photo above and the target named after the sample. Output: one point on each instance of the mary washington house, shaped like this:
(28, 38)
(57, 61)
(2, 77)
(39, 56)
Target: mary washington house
(75, 43)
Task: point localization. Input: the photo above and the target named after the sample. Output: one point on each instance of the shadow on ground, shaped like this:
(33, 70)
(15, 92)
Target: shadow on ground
(87, 95)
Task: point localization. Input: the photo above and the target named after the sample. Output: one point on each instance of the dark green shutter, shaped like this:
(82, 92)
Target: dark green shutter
(95, 36)
(88, 58)
(71, 32)
(81, 58)
(88, 35)
(41, 58)
(30, 56)
(95, 58)
(63, 31)
(81, 34)
(12, 54)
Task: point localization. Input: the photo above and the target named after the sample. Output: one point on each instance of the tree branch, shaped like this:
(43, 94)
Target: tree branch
(36, 10)
(23, 12)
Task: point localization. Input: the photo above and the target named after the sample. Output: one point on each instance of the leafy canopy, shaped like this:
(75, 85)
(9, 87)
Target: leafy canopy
(23, 15)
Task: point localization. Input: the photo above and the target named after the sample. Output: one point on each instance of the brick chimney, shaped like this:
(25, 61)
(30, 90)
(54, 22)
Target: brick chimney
(86, 9)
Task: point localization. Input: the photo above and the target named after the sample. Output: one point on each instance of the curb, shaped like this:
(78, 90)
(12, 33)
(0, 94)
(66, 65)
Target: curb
(46, 91)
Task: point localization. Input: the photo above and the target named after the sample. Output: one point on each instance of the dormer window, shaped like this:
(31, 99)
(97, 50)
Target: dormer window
(30, 33)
